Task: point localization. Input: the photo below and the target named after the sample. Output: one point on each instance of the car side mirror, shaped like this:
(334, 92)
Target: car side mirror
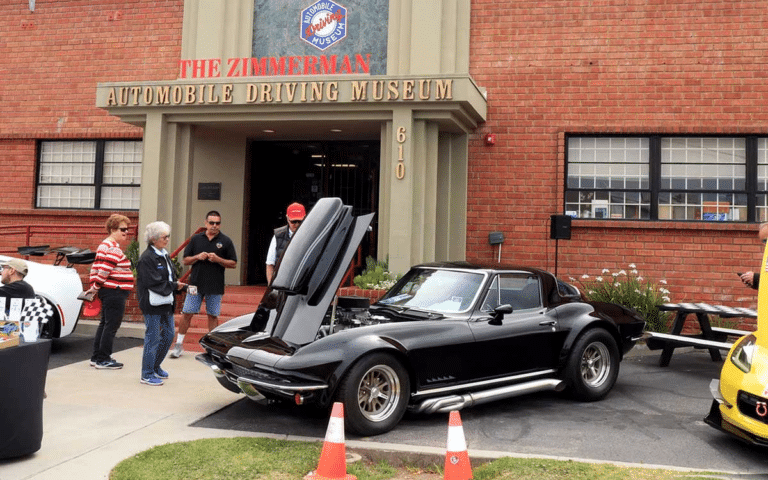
(499, 312)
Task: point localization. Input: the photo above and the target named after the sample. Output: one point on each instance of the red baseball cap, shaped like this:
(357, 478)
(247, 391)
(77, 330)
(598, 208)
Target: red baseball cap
(296, 212)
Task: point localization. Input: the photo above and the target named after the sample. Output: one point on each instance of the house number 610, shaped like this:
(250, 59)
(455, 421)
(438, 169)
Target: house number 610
(400, 168)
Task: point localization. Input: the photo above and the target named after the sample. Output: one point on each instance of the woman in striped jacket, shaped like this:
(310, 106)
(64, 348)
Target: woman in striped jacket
(111, 278)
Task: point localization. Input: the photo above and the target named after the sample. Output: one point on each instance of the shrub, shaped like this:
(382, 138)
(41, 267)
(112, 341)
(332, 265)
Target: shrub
(632, 291)
(376, 276)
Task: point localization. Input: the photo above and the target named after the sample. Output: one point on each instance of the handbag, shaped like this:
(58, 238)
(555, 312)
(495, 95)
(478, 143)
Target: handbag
(155, 299)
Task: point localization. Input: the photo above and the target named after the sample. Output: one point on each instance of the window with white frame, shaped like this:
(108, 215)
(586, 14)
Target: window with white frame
(87, 174)
(667, 178)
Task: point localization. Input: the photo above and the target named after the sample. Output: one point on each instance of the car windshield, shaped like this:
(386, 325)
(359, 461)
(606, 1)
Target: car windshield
(444, 291)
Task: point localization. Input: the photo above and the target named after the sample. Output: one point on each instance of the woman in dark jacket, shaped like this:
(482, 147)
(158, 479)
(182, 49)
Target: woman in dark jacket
(156, 284)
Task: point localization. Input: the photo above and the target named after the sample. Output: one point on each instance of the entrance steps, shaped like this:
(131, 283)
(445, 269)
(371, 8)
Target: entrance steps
(237, 300)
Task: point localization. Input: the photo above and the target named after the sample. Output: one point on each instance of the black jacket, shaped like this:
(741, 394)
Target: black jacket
(152, 274)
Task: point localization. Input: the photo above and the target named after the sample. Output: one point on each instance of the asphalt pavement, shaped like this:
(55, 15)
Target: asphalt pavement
(93, 419)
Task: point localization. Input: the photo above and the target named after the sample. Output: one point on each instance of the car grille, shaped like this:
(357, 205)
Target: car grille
(753, 406)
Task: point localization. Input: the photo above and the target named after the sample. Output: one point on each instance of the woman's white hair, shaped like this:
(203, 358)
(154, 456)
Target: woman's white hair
(155, 230)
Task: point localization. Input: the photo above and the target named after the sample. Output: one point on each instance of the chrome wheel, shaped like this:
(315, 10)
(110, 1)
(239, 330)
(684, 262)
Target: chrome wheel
(378, 393)
(595, 364)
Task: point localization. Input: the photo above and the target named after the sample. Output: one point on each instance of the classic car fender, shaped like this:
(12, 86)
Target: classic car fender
(577, 318)
(331, 357)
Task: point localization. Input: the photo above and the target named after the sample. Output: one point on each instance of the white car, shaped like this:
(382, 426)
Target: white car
(59, 286)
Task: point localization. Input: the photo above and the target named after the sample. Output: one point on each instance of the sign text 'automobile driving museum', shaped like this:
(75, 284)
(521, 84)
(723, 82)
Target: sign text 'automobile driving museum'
(281, 92)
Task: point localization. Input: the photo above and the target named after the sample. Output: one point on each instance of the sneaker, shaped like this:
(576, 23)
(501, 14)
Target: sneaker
(154, 381)
(94, 362)
(177, 349)
(160, 373)
(110, 364)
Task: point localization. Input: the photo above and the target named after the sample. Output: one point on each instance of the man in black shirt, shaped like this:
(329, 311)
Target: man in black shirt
(14, 285)
(209, 253)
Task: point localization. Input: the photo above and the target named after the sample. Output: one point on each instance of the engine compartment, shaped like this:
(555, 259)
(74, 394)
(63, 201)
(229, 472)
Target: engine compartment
(348, 312)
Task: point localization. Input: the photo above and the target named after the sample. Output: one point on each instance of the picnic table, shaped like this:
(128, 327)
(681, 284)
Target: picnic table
(712, 338)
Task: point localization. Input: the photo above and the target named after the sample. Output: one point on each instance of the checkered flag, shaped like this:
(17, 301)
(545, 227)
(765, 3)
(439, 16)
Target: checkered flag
(37, 309)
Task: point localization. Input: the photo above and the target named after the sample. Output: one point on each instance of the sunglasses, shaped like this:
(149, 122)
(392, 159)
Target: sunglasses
(214, 223)
(123, 229)
(295, 222)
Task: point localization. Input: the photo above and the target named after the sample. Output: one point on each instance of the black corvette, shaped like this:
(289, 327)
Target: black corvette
(446, 336)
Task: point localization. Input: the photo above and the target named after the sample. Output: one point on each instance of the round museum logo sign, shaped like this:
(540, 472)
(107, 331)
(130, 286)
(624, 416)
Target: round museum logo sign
(324, 23)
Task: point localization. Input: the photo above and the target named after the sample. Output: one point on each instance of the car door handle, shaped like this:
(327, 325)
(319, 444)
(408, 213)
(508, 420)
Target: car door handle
(548, 323)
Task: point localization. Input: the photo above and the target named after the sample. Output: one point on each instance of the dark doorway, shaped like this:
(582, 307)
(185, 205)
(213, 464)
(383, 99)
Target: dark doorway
(294, 171)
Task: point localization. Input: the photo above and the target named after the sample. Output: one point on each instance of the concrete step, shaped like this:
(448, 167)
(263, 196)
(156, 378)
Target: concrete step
(237, 300)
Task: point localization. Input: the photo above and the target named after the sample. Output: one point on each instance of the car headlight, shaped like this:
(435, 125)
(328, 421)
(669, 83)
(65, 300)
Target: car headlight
(742, 354)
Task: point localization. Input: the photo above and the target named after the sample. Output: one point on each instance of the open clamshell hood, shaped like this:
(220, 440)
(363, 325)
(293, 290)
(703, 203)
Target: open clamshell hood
(312, 268)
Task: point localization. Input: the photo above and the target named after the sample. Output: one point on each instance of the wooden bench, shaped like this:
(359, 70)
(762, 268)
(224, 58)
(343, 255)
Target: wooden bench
(712, 338)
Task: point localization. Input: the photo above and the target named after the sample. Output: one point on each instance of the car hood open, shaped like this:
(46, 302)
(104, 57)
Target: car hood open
(312, 268)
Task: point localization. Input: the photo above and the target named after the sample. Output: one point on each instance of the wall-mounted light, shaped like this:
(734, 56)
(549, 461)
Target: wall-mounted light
(490, 139)
(31, 5)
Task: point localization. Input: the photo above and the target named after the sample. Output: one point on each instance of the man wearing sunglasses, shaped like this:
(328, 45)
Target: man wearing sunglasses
(752, 279)
(295, 215)
(209, 253)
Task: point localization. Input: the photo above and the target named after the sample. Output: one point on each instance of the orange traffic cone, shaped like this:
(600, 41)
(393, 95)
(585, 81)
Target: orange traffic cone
(457, 465)
(333, 459)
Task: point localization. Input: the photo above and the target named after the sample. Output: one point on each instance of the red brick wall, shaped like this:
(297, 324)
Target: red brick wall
(635, 67)
(49, 85)
(48, 91)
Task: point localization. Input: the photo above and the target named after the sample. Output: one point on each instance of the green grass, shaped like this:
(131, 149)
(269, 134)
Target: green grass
(270, 459)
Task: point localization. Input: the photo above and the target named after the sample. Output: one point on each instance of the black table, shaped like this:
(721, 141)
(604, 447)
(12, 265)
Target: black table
(23, 370)
(712, 338)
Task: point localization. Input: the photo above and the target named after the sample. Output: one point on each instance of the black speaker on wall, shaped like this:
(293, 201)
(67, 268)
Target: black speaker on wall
(560, 227)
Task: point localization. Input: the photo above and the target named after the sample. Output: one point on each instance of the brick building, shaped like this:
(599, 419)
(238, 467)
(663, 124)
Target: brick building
(642, 120)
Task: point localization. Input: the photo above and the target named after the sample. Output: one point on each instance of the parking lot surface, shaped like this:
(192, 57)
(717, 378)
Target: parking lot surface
(653, 416)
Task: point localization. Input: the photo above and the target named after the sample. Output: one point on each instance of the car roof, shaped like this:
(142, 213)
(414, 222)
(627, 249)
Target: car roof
(489, 267)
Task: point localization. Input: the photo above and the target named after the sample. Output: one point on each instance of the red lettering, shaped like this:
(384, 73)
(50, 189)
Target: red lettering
(310, 65)
(233, 62)
(276, 66)
(346, 66)
(363, 66)
(328, 66)
(258, 65)
(183, 64)
(294, 66)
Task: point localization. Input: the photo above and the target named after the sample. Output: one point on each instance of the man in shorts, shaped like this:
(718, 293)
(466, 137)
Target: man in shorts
(209, 253)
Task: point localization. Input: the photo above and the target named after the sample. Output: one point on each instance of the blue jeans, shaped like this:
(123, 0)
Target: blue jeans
(157, 340)
(112, 310)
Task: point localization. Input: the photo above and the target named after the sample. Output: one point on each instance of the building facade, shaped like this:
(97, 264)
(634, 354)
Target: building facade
(644, 122)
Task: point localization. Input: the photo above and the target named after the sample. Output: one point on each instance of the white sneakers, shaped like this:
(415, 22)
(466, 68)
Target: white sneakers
(177, 349)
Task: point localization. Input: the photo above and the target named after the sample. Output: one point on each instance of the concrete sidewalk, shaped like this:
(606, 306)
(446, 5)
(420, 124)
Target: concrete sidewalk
(93, 419)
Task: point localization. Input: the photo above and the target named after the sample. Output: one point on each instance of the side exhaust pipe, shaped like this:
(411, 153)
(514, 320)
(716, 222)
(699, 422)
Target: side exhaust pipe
(457, 402)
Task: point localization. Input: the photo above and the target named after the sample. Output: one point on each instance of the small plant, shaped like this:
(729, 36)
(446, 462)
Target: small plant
(376, 276)
(132, 253)
(632, 291)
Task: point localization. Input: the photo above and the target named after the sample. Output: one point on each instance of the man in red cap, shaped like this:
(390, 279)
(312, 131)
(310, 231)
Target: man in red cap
(295, 215)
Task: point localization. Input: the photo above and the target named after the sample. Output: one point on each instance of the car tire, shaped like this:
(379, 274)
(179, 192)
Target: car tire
(375, 394)
(593, 366)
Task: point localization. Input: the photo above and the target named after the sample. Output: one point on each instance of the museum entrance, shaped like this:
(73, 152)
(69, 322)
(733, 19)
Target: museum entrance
(301, 171)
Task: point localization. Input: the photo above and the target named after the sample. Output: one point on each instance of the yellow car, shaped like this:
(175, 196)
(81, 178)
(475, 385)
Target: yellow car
(740, 405)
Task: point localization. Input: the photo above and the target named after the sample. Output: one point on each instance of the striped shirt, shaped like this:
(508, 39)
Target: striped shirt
(111, 268)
